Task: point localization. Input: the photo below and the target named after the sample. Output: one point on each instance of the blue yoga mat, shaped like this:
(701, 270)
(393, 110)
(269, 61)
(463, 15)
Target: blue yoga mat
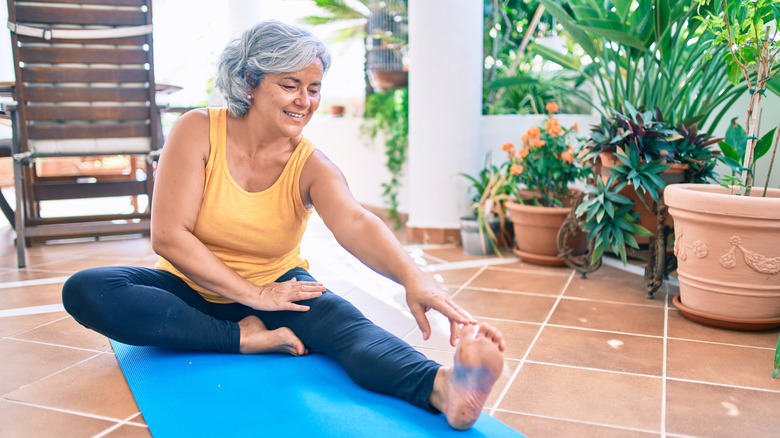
(185, 393)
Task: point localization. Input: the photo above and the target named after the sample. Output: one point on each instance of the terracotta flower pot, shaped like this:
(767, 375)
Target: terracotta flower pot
(536, 231)
(728, 254)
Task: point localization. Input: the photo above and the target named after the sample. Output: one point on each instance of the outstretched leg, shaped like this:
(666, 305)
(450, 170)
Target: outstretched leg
(460, 392)
(371, 356)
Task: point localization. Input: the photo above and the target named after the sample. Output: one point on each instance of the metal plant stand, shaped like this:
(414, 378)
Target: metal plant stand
(660, 262)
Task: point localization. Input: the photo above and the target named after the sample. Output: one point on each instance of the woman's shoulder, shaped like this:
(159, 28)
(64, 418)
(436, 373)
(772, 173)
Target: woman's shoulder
(194, 117)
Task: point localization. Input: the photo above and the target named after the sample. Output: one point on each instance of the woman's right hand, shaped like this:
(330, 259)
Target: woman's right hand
(282, 296)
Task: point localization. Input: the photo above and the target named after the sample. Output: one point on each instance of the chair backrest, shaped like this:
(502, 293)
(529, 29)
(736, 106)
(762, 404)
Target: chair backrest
(84, 76)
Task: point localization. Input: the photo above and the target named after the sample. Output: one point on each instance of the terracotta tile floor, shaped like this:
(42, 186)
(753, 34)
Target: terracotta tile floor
(585, 358)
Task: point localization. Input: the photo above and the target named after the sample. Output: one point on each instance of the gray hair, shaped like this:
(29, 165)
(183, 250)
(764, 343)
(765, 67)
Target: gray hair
(270, 47)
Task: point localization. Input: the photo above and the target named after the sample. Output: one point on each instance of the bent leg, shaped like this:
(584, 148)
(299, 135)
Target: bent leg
(141, 306)
(373, 357)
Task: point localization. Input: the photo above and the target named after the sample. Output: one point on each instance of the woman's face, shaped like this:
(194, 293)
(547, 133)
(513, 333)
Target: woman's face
(287, 101)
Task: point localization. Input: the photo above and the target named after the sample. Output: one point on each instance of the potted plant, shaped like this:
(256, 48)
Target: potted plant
(635, 156)
(726, 238)
(541, 173)
(647, 53)
(485, 231)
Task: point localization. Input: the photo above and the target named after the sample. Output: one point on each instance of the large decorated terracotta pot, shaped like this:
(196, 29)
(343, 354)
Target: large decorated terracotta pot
(728, 255)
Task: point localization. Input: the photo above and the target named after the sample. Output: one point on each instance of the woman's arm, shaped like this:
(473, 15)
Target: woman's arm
(178, 191)
(367, 238)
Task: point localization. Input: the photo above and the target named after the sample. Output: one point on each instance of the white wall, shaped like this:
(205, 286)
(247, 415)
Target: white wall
(361, 159)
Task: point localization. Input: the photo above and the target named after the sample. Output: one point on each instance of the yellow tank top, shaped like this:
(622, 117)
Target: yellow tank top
(257, 234)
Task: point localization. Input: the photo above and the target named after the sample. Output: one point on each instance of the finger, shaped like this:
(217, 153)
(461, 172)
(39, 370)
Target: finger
(303, 296)
(307, 285)
(453, 312)
(295, 307)
(454, 329)
(469, 319)
(422, 321)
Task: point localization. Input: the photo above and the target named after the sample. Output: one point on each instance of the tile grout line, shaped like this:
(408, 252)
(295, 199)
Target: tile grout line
(124, 422)
(58, 371)
(530, 347)
(663, 363)
(54, 345)
(34, 328)
(36, 282)
(65, 411)
(570, 420)
(537, 294)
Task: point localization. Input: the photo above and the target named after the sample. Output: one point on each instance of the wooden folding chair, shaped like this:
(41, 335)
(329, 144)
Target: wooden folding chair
(84, 88)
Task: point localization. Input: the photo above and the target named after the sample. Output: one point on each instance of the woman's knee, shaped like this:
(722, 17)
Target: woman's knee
(83, 291)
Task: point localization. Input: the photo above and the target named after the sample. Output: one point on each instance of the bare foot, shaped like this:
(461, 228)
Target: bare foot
(460, 392)
(256, 338)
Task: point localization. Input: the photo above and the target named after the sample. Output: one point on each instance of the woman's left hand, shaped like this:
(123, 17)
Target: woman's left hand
(422, 298)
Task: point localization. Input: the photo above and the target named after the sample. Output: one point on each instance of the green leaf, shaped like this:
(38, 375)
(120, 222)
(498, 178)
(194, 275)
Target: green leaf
(773, 85)
(641, 231)
(577, 33)
(622, 7)
(570, 62)
(777, 359)
(734, 73)
(613, 31)
(728, 151)
(764, 144)
(609, 208)
(737, 137)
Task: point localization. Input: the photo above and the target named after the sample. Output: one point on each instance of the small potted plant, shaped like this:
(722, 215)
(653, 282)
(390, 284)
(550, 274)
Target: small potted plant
(726, 237)
(635, 156)
(485, 232)
(542, 173)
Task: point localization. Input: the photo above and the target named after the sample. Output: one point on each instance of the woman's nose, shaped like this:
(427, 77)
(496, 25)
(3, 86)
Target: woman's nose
(303, 99)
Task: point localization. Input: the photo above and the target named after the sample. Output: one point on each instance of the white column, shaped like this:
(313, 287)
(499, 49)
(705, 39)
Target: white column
(445, 108)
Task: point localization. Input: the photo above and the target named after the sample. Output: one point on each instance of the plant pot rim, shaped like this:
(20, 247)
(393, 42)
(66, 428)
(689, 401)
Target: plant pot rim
(716, 199)
(571, 198)
(512, 205)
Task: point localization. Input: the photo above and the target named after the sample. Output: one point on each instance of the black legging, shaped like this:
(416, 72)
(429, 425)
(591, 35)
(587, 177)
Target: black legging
(150, 307)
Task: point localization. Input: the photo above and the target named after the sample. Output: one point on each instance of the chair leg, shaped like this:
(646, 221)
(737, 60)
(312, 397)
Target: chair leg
(19, 219)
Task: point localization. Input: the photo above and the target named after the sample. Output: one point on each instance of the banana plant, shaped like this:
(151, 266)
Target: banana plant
(653, 53)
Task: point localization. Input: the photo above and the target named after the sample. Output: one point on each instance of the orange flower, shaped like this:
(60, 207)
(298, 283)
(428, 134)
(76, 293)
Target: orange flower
(533, 133)
(575, 127)
(509, 148)
(553, 127)
(523, 152)
(516, 169)
(551, 107)
(535, 143)
(567, 156)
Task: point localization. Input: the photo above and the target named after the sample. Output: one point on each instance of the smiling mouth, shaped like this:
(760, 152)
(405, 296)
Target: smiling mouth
(296, 115)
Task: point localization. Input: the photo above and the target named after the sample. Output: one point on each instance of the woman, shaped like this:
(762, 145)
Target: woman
(234, 189)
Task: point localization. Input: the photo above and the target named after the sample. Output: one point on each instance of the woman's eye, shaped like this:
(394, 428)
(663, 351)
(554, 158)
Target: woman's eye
(288, 87)
(314, 92)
